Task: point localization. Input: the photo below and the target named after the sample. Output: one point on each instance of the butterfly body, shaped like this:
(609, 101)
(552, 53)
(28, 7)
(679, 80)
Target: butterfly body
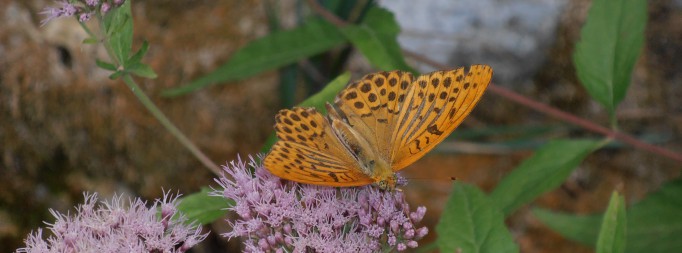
(368, 160)
(376, 126)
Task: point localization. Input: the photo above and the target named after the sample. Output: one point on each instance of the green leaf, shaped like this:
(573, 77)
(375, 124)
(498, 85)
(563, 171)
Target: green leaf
(118, 26)
(610, 43)
(582, 229)
(318, 101)
(135, 66)
(327, 94)
(202, 208)
(116, 75)
(142, 70)
(612, 232)
(90, 40)
(542, 172)
(471, 223)
(105, 65)
(376, 37)
(653, 225)
(137, 57)
(270, 52)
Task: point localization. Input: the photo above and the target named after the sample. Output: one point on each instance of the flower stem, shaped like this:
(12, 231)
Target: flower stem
(156, 112)
(151, 107)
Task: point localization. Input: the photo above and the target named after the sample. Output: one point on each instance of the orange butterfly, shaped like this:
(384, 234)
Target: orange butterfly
(377, 126)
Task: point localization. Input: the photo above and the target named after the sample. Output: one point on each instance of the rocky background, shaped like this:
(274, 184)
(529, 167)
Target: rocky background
(65, 128)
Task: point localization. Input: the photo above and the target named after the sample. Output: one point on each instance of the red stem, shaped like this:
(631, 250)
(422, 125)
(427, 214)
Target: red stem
(520, 99)
(559, 114)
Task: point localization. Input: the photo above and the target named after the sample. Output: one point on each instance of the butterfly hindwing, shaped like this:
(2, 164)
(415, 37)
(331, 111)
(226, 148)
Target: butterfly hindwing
(296, 162)
(308, 151)
(436, 104)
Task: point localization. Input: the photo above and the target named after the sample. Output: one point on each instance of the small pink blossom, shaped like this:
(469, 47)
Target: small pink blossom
(83, 10)
(276, 215)
(117, 226)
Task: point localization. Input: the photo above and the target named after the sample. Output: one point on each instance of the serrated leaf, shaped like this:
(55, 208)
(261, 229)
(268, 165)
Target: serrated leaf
(610, 43)
(542, 172)
(272, 51)
(118, 27)
(653, 225)
(105, 65)
(471, 223)
(202, 208)
(612, 232)
(376, 37)
(318, 100)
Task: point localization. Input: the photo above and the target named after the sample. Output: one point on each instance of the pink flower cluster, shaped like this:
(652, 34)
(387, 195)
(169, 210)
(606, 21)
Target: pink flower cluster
(83, 9)
(117, 227)
(275, 215)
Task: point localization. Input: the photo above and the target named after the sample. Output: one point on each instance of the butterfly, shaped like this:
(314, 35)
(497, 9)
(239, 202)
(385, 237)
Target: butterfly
(377, 126)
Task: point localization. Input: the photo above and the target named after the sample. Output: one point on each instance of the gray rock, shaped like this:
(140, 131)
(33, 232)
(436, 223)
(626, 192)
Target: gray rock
(511, 36)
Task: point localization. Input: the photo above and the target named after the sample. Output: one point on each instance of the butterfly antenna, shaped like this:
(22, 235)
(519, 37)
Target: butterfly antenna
(451, 178)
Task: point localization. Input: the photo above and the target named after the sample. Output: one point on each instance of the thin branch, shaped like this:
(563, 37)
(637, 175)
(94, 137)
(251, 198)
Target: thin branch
(165, 122)
(520, 99)
(327, 15)
(562, 115)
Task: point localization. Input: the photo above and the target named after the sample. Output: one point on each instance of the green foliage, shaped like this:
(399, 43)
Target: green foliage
(653, 225)
(608, 49)
(542, 172)
(612, 233)
(270, 52)
(105, 65)
(327, 94)
(118, 29)
(583, 229)
(472, 223)
(135, 66)
(376, 37)
(202, 208)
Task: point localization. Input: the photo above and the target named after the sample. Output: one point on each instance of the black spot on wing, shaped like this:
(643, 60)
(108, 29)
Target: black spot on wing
(333, 176)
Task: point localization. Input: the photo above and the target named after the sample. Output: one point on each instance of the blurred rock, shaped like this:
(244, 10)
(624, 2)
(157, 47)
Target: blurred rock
(66, 128)
(511, 36)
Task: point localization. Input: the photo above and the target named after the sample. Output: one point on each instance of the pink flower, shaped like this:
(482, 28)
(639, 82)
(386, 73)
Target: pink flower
(276, 215)
(116, 226)
(81, 9)
(66, 10)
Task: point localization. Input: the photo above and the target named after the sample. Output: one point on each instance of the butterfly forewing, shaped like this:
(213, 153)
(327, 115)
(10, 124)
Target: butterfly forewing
(435, 105)
(308, 152)
(425, 104)
(371, 106)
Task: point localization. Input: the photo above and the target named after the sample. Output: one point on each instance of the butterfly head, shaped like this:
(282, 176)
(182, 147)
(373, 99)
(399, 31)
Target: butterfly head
(384, 177)
(387, 184)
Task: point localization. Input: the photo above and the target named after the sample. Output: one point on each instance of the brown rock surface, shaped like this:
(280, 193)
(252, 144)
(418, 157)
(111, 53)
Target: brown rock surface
(66, 128)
